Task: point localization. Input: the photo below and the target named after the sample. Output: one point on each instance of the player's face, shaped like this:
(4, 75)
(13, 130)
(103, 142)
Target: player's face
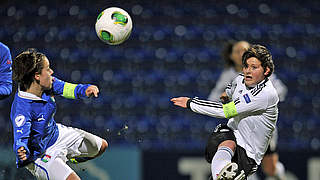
(254, 72)
(45, 77)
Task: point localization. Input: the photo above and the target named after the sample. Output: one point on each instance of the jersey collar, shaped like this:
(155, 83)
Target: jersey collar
(26, 95)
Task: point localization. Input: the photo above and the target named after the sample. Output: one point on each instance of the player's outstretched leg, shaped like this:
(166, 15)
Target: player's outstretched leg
(91, 147)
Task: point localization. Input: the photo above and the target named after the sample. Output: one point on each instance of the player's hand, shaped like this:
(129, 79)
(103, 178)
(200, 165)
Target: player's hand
(180, 101)
(224, 98)
(92, 91)
(22, 153)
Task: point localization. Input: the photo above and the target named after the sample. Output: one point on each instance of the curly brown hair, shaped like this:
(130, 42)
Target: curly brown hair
(25, 65)
(262, 54)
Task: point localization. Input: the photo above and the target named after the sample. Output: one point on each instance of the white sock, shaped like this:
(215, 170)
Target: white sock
(221, 158)
(280, 171)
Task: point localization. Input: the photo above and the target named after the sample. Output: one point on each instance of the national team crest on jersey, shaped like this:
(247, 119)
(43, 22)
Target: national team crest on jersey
(46, 158)
(247, 98)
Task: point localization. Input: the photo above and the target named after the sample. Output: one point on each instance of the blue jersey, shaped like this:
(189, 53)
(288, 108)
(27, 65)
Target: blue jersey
(33, 121)
(5, 71)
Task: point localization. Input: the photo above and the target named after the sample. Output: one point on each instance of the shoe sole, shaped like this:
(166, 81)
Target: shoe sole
(241, 176)
(228, 172)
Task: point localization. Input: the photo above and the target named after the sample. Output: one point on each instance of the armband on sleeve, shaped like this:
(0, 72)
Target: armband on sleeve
(68, 90)
(230, 110)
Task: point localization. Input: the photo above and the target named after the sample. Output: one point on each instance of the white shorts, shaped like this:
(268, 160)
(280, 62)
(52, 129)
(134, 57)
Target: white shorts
(72, 142)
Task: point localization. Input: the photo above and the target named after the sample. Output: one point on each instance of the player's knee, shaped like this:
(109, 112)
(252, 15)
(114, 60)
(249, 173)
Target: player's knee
(73, 176)
(229, 143)
(104, 146)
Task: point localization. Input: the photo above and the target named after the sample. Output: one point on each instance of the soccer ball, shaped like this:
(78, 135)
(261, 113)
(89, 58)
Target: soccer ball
(113, 25)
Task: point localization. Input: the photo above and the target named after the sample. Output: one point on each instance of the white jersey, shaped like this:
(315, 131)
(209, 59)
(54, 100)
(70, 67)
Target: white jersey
(253, 113)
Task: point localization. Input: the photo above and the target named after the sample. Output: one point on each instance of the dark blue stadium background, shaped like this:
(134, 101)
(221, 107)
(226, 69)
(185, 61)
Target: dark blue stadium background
(174, 50)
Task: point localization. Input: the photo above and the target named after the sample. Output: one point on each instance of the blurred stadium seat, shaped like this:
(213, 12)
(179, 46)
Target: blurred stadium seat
(174, 50)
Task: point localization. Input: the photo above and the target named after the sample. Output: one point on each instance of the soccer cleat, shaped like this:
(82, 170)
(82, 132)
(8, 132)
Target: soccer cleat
(228, 172)
(77, 160)
(73, 161)
(241, 176)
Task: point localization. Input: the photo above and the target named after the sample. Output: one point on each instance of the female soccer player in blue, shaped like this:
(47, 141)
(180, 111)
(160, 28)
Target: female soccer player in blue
(42, 145)
(5, 72)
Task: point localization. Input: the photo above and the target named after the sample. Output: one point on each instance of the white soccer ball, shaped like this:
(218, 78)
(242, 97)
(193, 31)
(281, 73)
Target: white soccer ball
(113, 25)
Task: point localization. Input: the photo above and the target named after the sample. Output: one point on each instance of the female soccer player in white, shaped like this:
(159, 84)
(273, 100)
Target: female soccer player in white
(42, 145)
(232, 55)
(250, 103)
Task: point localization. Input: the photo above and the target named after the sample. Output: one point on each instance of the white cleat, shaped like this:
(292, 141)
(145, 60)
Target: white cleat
(241, 176)
(228, 172)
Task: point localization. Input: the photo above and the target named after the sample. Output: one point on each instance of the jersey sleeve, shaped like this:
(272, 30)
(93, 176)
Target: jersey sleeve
(210, 108)
(247, 104)
(69, 90)
(5, 72)
(21, 127)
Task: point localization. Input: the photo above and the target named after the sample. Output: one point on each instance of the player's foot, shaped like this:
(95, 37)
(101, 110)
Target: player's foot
(228, 172)
(77, 160)
(241, 176)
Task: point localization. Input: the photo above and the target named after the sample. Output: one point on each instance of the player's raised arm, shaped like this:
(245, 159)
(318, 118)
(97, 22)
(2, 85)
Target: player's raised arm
(73, 91)
(248, 103)
(210, 108)
(180, 101)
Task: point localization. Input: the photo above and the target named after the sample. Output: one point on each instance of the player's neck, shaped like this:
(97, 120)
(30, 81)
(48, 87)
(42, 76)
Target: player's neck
(35, 89)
